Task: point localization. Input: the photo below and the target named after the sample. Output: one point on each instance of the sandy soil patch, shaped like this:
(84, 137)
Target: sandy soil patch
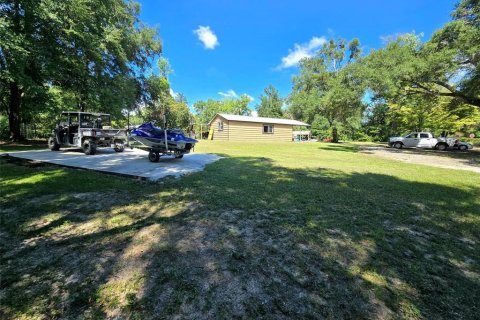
(448, 159)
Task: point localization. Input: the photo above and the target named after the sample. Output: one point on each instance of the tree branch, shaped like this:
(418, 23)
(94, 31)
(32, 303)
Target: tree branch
(445, 85)
(453, 93)
(421, 86)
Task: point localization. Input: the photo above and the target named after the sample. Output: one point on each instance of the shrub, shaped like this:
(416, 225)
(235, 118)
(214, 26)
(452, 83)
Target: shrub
(4, 134)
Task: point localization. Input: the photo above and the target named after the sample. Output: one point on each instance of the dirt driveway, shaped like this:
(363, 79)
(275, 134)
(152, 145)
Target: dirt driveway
(452, 159)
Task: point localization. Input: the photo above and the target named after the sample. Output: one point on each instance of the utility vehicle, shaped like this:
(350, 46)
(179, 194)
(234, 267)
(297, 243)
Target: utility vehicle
(86, 130)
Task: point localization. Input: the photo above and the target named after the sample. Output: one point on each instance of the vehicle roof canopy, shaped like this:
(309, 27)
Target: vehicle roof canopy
(79, 112)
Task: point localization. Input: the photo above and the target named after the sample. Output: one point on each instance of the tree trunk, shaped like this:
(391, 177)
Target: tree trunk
(82, 105)
(14, 111)
(334, 135)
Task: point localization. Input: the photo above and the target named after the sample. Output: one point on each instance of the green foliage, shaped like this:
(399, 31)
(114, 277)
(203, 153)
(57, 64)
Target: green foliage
(270, 103)
(448, 65)
(320, 127)
(94, 50)
(159, 100)
(164, 67)
(206, 110)
(461, 37)
(383, 120)
(325, 93)
(3, 127)
(474, 141)
(178, 114)
(433, 85)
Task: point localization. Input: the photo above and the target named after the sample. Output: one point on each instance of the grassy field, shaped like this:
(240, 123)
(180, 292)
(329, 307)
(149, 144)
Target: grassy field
(271, 231)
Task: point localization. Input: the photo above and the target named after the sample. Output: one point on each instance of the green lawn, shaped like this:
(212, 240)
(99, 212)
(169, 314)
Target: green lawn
(271, 231)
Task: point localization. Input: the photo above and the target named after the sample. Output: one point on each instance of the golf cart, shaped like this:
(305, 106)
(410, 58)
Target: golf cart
(87, 131)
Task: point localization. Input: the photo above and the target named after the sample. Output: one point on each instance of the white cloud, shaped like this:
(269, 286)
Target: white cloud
(300, 51)
(229, 94)
(233, 95)
(207, 37)
(254, 113)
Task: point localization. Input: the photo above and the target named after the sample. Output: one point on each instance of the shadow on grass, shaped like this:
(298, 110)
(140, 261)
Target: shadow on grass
(243, 239)
(340, 146)
(9, 146)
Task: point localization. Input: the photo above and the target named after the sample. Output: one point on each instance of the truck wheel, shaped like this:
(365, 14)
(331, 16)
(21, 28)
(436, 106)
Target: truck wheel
(52, 144)
(462, 147)
(89, 147)
(119, 146)
(153, 156)
(398, 145)
(441, 146)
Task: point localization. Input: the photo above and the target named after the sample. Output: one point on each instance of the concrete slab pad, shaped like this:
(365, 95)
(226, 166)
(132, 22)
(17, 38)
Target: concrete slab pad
(130, 162)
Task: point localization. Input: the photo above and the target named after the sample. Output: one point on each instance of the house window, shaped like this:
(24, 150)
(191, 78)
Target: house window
(268, 128)
(220, 125)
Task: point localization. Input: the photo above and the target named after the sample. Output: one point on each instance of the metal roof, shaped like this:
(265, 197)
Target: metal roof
(233, 117)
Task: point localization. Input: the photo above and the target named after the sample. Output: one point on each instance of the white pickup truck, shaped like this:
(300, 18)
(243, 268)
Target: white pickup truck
(426, 140)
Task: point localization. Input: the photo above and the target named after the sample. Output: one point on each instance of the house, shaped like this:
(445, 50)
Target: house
(237, 128)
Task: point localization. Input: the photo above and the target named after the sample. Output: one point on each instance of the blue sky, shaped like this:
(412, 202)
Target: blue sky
(221, 47)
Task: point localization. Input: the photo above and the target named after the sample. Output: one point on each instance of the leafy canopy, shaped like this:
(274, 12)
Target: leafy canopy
(325, 93)
(270, 103)
(206, 110)
(94, 52)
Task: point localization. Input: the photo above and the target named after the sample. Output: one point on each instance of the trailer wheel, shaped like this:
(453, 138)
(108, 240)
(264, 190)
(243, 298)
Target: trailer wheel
(89, 147)
(178, 155)
(119, 146)
(153, 156)
(52, 144)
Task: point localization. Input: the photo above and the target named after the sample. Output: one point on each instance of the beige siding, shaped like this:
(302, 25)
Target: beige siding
(252, 131)
(219, 134)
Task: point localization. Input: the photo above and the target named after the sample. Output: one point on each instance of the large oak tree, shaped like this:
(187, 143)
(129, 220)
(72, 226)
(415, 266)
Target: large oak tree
(95, 50)
(448, 65)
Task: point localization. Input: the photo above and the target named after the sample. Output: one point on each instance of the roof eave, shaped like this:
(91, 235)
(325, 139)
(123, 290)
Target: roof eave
(259, 121)
(217, 114)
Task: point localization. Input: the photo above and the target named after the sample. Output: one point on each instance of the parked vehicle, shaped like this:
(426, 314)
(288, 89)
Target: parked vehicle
(462, 145)
(162, 142)
(87, 131)
(427, 140)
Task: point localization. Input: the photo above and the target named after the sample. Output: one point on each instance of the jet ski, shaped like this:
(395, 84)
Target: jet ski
(162, 142)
